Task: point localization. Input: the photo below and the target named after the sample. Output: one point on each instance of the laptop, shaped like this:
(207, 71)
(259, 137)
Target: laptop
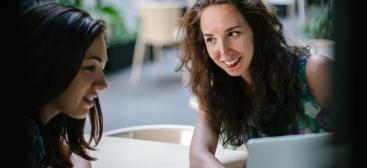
(291, 151)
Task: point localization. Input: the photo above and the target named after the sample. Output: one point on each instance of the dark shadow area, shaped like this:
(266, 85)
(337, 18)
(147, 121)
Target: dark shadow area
(120, 56)
(347, 87)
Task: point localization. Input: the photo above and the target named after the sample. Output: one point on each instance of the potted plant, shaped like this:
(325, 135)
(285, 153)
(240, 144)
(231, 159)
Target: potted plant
(121, 40)
(319, 28)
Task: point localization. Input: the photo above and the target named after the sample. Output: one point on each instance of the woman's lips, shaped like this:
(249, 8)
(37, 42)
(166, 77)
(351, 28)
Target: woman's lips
(232, 63)
(89, 102)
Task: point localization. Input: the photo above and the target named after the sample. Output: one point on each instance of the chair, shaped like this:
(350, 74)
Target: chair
(323, 47)
(181, 135)
(158, 22)
(170, 133)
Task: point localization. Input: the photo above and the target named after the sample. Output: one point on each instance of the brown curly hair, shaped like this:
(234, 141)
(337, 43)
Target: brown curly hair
(271, 103)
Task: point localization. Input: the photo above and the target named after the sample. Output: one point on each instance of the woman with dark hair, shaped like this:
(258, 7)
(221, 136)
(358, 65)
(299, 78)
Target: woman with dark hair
(65, 53)
(249, 82)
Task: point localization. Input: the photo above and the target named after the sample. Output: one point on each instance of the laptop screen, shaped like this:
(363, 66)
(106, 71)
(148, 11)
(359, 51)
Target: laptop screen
(291, 151)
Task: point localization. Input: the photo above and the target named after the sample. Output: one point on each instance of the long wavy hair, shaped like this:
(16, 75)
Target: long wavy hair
(54, 40)
(271, 103)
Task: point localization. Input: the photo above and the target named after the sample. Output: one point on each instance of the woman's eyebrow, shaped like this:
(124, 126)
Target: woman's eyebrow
(227, 30)
(94, 57)
(231, 28)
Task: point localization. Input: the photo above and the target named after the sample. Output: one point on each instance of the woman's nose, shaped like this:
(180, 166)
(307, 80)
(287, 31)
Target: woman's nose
(101, 83)
(223, 47)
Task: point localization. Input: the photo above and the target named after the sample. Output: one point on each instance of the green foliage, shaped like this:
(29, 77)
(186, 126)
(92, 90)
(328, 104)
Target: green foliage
(321, 23)
(117, 31)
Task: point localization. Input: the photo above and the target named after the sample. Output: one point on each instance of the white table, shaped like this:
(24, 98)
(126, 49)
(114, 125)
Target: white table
(115, 152)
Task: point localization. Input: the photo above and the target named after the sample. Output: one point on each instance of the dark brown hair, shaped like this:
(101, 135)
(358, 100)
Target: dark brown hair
(54, 40)
(271, 103)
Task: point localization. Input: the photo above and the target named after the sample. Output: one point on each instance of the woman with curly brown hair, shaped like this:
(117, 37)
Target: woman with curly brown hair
(250, 83)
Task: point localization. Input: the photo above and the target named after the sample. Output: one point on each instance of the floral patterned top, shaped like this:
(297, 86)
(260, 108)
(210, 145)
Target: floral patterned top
(316, 117)
(35, 141)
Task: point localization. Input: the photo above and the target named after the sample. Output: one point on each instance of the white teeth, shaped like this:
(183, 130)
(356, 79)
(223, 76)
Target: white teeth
(89, 98)
(231, 61)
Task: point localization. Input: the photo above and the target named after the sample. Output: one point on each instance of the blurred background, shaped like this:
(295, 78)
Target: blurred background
(143, 87)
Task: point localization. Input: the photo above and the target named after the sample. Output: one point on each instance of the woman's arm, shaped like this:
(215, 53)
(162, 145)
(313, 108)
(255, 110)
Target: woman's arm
(203, 144)
(318, 74)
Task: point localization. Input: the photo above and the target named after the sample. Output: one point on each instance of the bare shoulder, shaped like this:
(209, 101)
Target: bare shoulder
(316, 62)
(318, 74)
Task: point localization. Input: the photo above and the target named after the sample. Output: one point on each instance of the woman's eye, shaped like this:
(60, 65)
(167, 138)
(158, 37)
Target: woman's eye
(233, 34)
(210, 40)
(90, 68)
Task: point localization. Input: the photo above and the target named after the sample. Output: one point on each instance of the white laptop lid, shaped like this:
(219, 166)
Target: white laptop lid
(293, 151)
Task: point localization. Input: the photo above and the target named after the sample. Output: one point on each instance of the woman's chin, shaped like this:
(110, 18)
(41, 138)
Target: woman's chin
(233, 74)
(82, 114)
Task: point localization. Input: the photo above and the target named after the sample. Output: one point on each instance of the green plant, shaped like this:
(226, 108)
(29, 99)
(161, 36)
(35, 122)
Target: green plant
(321, 23)
(117, 32)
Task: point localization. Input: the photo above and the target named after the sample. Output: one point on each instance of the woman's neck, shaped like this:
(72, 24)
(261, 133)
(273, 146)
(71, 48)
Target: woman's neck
(247, 79)
(47, 112)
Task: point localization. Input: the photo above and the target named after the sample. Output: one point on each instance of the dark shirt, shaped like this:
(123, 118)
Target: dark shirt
(35, 144)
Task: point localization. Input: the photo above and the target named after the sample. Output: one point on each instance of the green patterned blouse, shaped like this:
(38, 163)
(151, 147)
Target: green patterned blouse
(315, 119)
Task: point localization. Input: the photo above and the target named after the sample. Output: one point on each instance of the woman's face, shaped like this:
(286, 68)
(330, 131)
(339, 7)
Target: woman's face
(78, 98)
(228, 39)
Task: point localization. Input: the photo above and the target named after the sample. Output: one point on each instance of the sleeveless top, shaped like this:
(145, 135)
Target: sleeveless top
(316, 118)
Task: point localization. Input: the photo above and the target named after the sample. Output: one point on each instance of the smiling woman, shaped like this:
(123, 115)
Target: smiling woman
(231, 46)
(250, 83)
(65, 54)
(78, 98)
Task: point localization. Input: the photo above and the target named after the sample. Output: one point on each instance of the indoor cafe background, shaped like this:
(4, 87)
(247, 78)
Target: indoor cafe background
(151, 92)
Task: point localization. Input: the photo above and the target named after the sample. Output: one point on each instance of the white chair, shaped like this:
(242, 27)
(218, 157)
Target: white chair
(323, 47)
(158, 25)
(170, 133)
(181, 135)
